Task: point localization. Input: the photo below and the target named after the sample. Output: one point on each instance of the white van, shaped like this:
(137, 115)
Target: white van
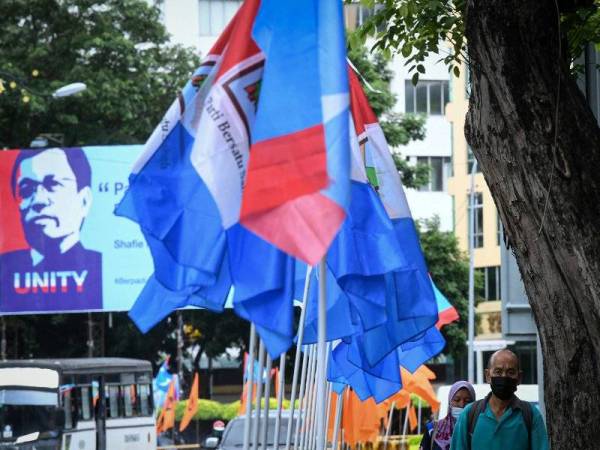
(526, 392)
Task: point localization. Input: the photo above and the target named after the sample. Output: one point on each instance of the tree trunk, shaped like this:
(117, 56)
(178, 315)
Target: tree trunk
(516, 72)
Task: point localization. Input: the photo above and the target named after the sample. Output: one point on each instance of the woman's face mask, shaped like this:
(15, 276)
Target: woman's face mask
(456, 411)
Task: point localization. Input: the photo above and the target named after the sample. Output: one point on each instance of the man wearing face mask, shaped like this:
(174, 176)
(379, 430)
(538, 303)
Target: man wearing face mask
(501, 421)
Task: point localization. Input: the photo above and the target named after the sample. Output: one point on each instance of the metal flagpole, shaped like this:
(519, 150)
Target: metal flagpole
(405, 427)
(301, 396)
(419, 418)
(297, 360)
(471, 329)
(328, 388)
(322, 356)
(256, 423)
(312, 423)
(309, 390)
(265, 424)
(250, 381)
(280, 396)
(337, 420)
(328, 410)
(389, 426)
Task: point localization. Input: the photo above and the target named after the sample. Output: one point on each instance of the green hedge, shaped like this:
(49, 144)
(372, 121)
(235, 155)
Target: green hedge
(211, 410)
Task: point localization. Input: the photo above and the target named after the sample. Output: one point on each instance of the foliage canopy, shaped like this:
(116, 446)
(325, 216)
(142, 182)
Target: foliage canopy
(119, 48)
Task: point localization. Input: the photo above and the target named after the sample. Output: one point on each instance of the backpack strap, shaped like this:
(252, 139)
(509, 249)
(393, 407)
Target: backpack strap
(527, 414)
(474, 413)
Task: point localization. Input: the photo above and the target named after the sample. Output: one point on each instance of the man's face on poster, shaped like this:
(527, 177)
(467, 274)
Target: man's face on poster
(51, 205)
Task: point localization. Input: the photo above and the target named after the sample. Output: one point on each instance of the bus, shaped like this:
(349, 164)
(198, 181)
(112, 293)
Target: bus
(80, 403)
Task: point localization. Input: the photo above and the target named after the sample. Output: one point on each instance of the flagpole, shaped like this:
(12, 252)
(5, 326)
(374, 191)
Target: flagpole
(328, 411)
(312, 412)
(301, 402)
(337, 420)
(389, 426)
(265, 424)
(322, 356)
(308, 397)
(419, 418)
(328, 388)
(280, 396)
(405, 427)
(297, 359)
(256, 423)
(249, 389)
(471, 328)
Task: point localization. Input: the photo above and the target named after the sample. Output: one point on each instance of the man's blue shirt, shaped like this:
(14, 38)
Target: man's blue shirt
(508, 432)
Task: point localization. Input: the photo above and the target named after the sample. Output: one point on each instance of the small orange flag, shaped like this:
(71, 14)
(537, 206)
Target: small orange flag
(412, 418)
(191, 406)
(418, 383)
(276, 371)
(167, 415)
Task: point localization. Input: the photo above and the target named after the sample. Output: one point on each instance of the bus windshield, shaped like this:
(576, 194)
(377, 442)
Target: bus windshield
(24, 411)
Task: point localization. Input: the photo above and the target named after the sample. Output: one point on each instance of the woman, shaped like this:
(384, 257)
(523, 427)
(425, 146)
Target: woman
(439, 436)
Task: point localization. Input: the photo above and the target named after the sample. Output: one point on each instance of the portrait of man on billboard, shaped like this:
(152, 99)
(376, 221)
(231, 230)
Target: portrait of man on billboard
(52, 188)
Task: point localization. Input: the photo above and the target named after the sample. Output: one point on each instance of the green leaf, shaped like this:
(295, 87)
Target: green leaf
(456, 71)
(421, 68)
(415, 78)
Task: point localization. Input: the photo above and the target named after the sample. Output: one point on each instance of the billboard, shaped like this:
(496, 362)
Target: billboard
(61, 247)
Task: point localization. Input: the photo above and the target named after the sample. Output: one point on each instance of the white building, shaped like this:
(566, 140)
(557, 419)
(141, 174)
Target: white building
(198, 23)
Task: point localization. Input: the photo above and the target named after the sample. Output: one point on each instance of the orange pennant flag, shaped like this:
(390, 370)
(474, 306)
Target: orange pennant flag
(418, 383)
(191, 406)
(276, 371)
(167, 415)
(412, 418)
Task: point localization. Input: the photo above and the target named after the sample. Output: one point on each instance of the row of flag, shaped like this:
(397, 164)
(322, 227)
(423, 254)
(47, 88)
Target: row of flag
(361, 420)
(270, 159)
(166, 418)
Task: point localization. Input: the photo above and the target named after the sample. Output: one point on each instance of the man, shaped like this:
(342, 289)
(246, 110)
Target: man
(52, 188)
(501, 421)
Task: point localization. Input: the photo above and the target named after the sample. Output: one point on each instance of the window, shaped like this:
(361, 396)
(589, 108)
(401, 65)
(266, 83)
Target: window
(215, 15)
(491, 283)
(471, 160)
(113, 401)
(69, 407)
(144, 401)
(427, 97)
(355, 15)
(477, 236)
(85, 410)
(129, 399)
(440, 171)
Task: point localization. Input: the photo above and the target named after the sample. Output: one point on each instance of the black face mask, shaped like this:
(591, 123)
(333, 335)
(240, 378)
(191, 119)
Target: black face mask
(503, 387)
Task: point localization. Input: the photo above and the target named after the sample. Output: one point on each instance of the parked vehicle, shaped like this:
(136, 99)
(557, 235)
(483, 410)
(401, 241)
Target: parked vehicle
(233, 436)
(526, 392)
(85, 404)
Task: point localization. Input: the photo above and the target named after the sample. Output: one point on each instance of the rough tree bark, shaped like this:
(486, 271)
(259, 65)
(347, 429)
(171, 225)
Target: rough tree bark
(515, 64)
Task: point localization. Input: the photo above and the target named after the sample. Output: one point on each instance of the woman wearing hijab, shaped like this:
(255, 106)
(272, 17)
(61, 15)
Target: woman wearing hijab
(439, 436)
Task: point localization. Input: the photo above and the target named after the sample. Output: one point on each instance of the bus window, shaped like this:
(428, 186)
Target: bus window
(129, 400)
(113, 401)
(144, 399)
(68, 407)
(85, 410)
